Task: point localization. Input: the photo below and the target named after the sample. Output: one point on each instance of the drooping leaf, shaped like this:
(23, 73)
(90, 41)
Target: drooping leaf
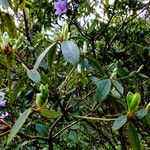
(70, 51)
(50, 114)
(119, 122)
(18, 124)
(34, 75)
(102, 90)
(42, 55)
(133, 137)
(4, 3)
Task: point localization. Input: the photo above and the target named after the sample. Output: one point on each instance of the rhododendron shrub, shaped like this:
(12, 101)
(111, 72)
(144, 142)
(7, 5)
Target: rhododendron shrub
(74, 74)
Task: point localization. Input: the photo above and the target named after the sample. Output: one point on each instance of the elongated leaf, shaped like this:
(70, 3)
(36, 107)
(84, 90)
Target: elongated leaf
(9, 25)
(136, 99)
(19, 85)
(18, 124)
(4, 3)
(70, 51)
(41, 129)
(118, 86)
(34, 75)
(96, 65)
(52, 54)
(129, 99)
(119, 122)
(102, 90)
(133, 137)
(42, 55)
(50, 113)
(117, 90)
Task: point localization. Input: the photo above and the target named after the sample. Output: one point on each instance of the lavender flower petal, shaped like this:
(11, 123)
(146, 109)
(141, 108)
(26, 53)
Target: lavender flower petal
(61, 7)
(2, 101)
(4, 115)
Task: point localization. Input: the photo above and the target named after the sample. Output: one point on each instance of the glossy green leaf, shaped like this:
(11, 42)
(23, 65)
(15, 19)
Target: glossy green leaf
(34, 75)
(50, 114)
(133, 137)
(70, 51)
(42, 55)
(136, 99)
(18, 124)
(129, 99)
(119, 122)
(4, 3)
(102, 90)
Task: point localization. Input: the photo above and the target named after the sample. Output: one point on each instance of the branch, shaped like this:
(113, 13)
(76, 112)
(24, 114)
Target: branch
(26, 27)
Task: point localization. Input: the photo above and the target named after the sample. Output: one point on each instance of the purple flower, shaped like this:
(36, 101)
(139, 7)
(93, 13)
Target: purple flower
(61, 7)
(4, 115)
(2, 101)
(144, 14)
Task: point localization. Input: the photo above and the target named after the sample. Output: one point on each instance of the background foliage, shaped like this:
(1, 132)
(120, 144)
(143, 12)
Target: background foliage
(77, 80)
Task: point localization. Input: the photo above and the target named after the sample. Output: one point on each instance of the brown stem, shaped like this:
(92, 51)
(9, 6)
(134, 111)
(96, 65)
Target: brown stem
(26, 27)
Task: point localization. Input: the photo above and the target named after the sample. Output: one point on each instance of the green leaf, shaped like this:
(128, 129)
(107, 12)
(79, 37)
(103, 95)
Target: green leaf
(50, 114)
(9, 25)
(52, 54)
(96, 65)
(41, 129)
(70, 51)
(19, 85)
(73, 136)
(143, 75)
(136, 99)
(42, 55)
(19, 42)
(4, 3)
(119, 122)
(18, 124)
(34, 75)
(102, 90)
(141, 113)
(133, 137)
(1, 38)
(129, 98)
(95, 80)
(117, 90)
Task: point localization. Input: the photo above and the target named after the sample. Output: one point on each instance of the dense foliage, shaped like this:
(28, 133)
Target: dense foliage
(74, 74)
